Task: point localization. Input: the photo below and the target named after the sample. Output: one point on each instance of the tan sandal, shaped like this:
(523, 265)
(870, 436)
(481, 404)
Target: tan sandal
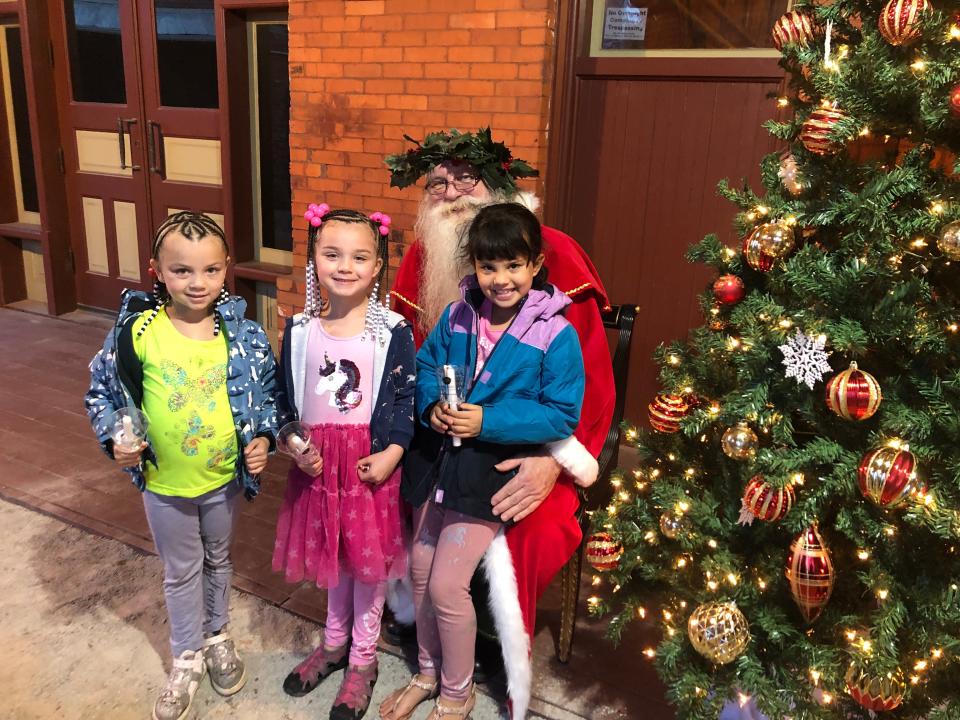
(459, 711)
(396, 697)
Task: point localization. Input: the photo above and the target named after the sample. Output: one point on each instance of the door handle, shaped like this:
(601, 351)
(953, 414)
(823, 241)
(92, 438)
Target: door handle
(123, 126)
(155, 155)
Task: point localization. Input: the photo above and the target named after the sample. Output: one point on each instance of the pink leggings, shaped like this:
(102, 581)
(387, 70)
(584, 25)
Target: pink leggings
(361, 604)
(447, 548)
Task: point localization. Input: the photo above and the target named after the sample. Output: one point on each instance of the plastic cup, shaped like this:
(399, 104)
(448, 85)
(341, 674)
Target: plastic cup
(294, 440)
(128, 428)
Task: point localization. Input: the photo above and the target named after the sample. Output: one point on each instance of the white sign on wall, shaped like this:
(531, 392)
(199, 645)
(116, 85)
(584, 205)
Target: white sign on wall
(625, 23)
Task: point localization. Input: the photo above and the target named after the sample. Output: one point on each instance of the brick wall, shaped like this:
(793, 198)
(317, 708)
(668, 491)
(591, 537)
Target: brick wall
(365, 72)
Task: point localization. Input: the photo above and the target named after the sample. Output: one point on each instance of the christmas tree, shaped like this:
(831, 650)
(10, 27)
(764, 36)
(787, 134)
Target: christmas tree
(792, 526)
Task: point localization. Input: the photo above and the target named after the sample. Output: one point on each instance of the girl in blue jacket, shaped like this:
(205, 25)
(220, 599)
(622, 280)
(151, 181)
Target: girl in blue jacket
(524, 382)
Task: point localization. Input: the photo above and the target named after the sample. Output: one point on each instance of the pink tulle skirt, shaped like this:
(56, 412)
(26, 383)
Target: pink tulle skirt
(335, 523)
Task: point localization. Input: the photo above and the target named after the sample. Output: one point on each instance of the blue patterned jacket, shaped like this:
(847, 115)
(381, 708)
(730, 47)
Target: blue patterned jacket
(116, 381)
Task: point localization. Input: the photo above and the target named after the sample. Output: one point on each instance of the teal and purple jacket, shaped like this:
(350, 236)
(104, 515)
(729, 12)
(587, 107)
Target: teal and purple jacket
(530, 388)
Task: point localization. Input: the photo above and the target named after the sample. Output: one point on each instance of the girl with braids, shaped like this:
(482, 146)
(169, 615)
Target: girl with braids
(204, 376)
(348, 371)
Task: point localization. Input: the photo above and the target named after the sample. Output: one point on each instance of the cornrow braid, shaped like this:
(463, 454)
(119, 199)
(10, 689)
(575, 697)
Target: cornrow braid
(193, 226)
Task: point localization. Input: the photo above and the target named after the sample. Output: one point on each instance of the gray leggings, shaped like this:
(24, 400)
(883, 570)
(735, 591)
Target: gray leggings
(193, 537)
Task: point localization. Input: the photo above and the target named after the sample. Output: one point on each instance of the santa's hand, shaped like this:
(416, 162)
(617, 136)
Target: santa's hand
(527, 489)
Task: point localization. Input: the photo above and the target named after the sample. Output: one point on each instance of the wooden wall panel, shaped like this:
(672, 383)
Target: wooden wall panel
(648, 155)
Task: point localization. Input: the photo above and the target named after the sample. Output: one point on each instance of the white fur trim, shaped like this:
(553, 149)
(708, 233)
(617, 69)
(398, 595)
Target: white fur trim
(530, 201)
(400, 599)
(576, 460)
(508, 617)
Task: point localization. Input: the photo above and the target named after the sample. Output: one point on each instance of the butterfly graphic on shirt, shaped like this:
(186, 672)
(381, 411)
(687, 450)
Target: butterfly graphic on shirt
(342, 380)
(219, 456)
(191, 432)
(201, 388)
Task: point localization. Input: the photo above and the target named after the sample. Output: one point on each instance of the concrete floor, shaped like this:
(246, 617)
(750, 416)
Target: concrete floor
(50, 462)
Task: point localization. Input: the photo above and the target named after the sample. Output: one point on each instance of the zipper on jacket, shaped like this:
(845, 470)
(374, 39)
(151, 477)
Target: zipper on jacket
(476, 335)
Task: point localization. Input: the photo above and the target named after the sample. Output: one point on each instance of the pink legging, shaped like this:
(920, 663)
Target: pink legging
(361, 604)
(447, 548)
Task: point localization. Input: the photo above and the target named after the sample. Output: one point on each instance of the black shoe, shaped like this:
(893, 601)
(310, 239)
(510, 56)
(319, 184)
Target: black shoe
(488, 662)
(396, 633)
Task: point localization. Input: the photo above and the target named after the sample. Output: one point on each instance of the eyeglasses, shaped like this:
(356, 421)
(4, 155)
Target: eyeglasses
(464, 184)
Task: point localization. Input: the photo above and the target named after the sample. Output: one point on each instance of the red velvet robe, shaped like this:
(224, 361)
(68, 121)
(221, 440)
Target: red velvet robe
(520, 566)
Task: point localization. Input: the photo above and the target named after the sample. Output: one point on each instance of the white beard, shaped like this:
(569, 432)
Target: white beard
(441, 229)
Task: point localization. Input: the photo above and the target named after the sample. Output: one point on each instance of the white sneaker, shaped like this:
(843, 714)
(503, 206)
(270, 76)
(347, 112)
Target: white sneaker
(177, 695)
(227, 671)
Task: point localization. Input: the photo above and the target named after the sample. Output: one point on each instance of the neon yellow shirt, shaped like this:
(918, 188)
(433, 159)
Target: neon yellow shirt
(185, 398)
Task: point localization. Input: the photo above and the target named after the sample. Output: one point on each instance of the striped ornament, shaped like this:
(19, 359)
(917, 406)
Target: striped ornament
(853, 394)
(810, 573)
(887, 476)
(899, 21)
(765, 501)
(666, 411)
(793, 29)
(815, 133)
(754, 254)
(603, 552)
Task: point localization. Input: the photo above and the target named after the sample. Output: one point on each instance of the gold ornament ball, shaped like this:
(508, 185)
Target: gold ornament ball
(718, 631)
(739, 442)
(949, 240)
(775, 238)
(672, 525)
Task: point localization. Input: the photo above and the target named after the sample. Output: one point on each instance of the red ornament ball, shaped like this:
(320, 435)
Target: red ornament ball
(955, 101)
(766, 502)
(810, 573)
(728, 289)
(879, 693)
(666, 411)
(899, 21)
(794, 28)
(887, 476)
(853, 394)
(816, 131)
(603, 552)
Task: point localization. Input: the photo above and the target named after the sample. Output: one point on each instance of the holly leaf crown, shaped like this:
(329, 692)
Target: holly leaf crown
(493, 161)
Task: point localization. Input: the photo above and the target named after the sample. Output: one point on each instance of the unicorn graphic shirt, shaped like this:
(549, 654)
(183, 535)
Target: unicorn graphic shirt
(339, 378)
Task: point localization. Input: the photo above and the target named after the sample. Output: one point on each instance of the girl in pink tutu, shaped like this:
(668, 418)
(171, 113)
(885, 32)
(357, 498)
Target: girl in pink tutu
(348, 373)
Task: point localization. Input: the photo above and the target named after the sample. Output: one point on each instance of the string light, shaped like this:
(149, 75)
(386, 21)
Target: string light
(742, 698)
(731, 578)
(863, 554)
(674, 360)
(595, 580)
(683, 506)
(650, 653)
(919, 243)
(919, 65)
(782, 101)
(815, 676)
(954, 33)
(937, 208)
(882, 594)
(593, 601)
(712, 543)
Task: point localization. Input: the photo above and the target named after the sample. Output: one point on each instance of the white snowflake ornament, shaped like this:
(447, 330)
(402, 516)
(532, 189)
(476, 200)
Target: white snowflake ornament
(805, 358)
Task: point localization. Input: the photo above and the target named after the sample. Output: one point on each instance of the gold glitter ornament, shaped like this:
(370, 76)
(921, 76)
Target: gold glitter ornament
(949, 240)
(718, 631)
(775, 238)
